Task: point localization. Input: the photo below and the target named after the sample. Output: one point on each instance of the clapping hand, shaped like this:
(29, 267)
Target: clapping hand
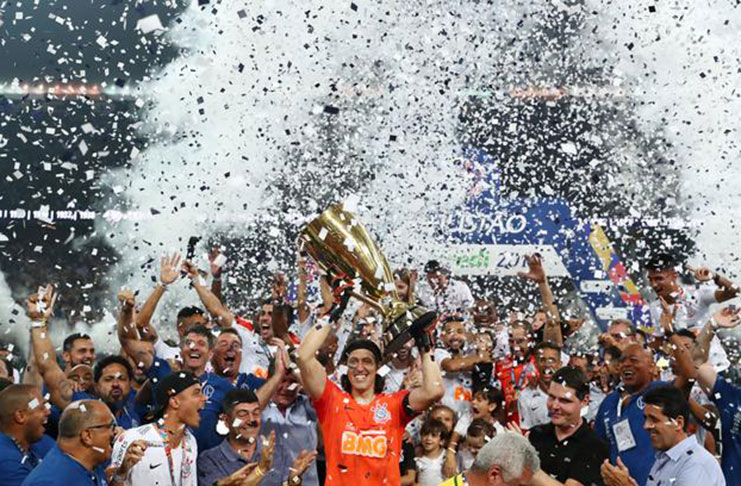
(617, 475)
(301, 464)
(728, 317)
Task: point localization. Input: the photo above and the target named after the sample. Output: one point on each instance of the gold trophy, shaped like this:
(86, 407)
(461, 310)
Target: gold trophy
(341, 246)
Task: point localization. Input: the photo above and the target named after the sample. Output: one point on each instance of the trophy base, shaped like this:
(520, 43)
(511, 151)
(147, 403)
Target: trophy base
(402, 330)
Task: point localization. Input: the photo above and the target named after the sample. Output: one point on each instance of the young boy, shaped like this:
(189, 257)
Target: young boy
(430, 464)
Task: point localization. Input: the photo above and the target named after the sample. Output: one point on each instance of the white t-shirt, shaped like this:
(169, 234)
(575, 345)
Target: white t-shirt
(394, 378)
(256, 354)
(532, 407)
(154, 467)
(692, 312)
(458, 386)
(430, 471)
(596, 395)
(164, 351)
(456, 296)
(464, 458)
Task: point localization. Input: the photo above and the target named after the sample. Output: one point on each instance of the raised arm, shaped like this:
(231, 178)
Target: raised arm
(169, 273)
(31, 374)
(268, 389)
(213, 305)
(536, 273)
(127, 332)
(704, 373)
(726, 289)
(312, 372)
(215, 266)
(455, 364)
(40, 309)
(432, 383)
(303, 306)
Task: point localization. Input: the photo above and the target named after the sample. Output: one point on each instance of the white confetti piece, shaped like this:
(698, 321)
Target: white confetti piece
(149, 24)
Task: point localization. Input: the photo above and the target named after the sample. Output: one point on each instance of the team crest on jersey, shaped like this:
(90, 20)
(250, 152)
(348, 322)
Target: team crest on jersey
(381, 414)
(208, 391)
(640, 403)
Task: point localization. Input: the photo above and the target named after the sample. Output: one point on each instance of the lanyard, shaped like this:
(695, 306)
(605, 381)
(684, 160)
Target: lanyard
(170, 462)
(517, 384)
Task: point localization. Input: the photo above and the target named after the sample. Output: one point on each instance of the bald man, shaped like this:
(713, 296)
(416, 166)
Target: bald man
(620, 417)
(23, 414)
(86, 433)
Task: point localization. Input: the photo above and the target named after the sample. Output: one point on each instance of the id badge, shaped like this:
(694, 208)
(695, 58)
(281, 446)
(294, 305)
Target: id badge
(623, 435)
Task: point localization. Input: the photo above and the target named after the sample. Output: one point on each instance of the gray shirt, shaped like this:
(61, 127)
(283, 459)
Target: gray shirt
(221, 461)
(686, 464)
(294, 432)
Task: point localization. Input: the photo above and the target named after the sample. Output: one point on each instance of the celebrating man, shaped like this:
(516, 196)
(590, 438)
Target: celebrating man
(362, 426)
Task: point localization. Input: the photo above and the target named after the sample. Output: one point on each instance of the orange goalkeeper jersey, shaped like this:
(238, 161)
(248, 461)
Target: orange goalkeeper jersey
(362, 443)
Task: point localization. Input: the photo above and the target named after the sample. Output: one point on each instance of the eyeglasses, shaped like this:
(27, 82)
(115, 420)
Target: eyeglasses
(111, 426)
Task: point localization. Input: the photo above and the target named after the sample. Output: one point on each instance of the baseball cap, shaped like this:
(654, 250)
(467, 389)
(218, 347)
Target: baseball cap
(170, 386)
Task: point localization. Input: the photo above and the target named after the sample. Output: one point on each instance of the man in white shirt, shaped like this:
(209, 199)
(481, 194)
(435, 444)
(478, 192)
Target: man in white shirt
(689, 307)
(532, 401)
(169, 449)
(444, 293)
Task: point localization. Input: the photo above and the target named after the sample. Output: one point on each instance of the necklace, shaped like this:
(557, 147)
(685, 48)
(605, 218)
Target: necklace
(33, 461)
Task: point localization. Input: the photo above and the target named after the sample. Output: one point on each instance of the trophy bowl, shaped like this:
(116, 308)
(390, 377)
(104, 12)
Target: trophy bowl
(341, 247)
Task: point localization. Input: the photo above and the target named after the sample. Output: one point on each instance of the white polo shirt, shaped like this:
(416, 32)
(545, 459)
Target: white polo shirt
(154, 467)
(532, 407)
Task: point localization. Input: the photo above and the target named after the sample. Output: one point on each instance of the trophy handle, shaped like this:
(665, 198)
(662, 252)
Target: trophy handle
(368, 301)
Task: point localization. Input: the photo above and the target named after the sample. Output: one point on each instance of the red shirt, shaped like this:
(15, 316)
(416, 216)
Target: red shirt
(514, 377)
(362, 443)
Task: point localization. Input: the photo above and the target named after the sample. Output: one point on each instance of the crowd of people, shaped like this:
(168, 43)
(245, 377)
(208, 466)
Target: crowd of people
(303, 393)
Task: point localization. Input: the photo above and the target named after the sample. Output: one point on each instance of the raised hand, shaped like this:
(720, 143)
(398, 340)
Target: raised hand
(279, 287)
(169, 268)
(535, 272)
(728, 317)
(266, 455)
(126, 300)
(41, 304)
(513, 427)
(214, 264)
(190, 270)
(301, 464)
(666, 319)
(702, 274)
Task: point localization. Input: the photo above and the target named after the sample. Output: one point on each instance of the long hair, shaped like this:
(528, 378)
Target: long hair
(405, 275)
(378, 384)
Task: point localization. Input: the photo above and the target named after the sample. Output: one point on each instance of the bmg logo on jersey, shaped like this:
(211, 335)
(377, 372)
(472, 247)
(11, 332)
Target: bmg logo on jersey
(364, 445)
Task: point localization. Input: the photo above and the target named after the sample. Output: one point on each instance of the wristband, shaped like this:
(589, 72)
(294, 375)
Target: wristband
(259, 472)
(38, 324)
(164, 285)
